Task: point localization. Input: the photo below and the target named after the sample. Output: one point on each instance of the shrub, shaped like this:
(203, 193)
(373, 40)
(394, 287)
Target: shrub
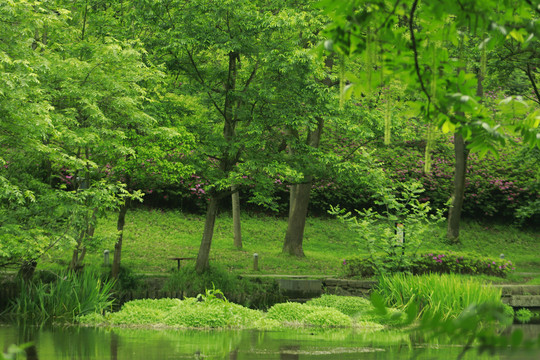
(441, 262)
(290, 312)
(504, 187)
(445, 262)
(205, 311)
(384, 232)
(360, 309)
(327, 317)
(348, 305)
(524, 315)
(308, 315)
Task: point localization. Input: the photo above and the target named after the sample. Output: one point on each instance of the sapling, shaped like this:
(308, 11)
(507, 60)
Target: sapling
(397, 230)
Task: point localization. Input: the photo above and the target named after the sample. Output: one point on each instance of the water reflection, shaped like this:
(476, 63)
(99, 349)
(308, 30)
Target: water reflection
(116, 344)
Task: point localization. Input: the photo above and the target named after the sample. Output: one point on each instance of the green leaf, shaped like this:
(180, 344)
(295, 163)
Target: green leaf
(448, 127)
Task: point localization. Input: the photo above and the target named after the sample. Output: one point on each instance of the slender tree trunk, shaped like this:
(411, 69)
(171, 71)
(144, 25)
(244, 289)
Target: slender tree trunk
(236, 217)
(79, 252)
(204, 251)
(454, 214)
(115, 271)
(461, 154)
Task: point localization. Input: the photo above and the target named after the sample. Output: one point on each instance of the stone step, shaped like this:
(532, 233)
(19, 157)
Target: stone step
(519, 289)
(526, 301)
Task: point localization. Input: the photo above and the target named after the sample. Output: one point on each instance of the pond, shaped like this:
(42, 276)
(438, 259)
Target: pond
(137, 344)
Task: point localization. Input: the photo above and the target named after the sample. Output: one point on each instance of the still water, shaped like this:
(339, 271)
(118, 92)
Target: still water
(72, 343)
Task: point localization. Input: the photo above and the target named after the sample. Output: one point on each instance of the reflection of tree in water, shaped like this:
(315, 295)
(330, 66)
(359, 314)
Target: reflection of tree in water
(114, 345)
(31, 352)
(289, 352)
(233, 355)
(28, 334)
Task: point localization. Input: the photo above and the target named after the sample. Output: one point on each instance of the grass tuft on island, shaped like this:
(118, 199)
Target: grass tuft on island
(214, 311)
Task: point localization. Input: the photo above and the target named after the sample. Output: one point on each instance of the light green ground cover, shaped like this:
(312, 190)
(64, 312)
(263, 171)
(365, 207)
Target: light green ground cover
(152, 236)
(211, 311)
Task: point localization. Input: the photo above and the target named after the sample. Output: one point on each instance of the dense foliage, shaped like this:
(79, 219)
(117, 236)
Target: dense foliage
(436, 262)
(102, 102)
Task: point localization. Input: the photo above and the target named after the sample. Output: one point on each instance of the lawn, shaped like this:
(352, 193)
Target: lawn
(151, 237)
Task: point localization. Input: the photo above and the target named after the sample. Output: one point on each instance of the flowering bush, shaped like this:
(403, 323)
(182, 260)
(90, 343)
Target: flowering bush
(441, 262)
(504, 187)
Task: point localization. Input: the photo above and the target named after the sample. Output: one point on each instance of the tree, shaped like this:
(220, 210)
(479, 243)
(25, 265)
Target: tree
(84, 89)
(239, 59)
(406, 32)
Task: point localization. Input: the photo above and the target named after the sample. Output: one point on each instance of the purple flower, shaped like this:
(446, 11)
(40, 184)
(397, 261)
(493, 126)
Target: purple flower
(344, 262)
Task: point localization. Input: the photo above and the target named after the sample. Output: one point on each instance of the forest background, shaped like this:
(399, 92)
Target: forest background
(205, 105)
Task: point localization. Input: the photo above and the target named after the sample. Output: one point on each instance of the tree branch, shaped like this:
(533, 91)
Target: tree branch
(533, 83)
(415, 50)
(201, 80)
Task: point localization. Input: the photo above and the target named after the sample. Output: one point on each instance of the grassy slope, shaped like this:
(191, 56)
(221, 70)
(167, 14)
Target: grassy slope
(152, 236)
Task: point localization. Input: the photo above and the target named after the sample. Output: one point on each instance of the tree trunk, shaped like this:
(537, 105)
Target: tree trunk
(454, 213)
(236, 217)
(204, 251)
(79, 252)
(297, 219)
(115, 271)
(299, 203)
(27, 270)
(462, 154)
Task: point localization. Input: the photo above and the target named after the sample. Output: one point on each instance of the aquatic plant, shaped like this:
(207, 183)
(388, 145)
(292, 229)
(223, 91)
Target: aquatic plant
(69, 296)
(445, 295)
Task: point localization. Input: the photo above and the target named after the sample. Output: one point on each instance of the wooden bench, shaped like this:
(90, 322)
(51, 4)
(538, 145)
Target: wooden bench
(178, 259)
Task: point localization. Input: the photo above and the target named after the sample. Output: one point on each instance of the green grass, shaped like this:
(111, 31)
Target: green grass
(152, 236)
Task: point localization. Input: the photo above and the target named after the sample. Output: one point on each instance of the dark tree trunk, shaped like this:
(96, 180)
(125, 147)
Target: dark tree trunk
(297, 219)
(118, 246)
(237, 228)
(299, 198)
(204, 251)
(27, 270)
